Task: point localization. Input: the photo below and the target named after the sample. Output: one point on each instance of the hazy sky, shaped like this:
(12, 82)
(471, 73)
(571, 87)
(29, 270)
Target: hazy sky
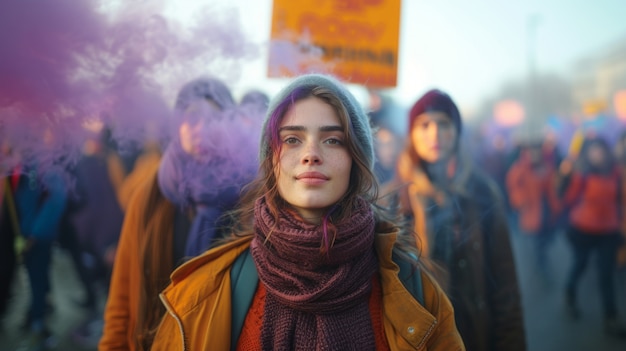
(466, 47)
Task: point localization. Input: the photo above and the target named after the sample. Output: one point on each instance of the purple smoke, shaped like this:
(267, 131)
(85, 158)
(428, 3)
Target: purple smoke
(64, 63)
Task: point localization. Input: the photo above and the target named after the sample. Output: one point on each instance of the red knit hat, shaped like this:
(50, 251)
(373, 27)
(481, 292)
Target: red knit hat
(436, 101)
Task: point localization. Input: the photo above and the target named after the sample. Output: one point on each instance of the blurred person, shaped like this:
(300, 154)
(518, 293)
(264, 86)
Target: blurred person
(311, 263)
(532, 189)
(620, 152)
(92, 218)
(620, 148)
(383, 114)
(92, 225)
(495, 156)
(550, 150)
(144, 166)
(98, 220)
(255, 98)
(252, 107)
(590, 185)
(9, 230)
(460, 225)
(495, 161)
(387, 147)
(40, 198)
(176, 213)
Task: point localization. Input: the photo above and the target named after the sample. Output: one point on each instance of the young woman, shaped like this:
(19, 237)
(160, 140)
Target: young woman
(591, 188)
(311, 264)
(461, 226)
(176, 213)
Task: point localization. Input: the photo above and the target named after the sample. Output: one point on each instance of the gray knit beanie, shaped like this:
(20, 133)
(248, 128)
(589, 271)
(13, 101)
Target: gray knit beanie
(204, 88)
(358, 118)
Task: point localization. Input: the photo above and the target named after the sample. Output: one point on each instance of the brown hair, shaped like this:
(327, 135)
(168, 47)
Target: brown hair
(363, 182)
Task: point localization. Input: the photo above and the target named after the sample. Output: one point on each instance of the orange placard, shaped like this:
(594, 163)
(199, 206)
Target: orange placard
(355, 40)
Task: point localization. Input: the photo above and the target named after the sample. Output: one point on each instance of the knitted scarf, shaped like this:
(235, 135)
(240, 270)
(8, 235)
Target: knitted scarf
(191, 183)
(315, 301)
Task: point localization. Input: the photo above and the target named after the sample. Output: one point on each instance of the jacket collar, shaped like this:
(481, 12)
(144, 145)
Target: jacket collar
(193, 281)
(405, 316)
(410, 320)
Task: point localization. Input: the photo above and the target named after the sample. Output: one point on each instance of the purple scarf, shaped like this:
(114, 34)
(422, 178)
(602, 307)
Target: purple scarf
(209, 183)
(191, 183)
(315, 301)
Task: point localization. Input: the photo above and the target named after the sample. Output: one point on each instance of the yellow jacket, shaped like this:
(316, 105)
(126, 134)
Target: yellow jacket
(198, 302)
(148, 212)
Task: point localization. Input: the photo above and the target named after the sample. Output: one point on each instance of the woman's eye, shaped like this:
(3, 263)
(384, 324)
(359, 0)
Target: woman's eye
(334, 141)
(290, 140)
(445, 124)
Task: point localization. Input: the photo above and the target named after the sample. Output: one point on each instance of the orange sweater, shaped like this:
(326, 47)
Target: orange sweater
(250, 338)
(594, 201)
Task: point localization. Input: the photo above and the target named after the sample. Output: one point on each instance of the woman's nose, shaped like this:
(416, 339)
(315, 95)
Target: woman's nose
(311, 155)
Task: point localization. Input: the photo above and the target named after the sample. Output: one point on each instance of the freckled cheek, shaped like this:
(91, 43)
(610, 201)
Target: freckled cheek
(286, 160)
(341, 163)
(284, 164)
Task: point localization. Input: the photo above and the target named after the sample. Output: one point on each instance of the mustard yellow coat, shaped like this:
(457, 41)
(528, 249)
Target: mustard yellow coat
(121, 312)
(198, 302)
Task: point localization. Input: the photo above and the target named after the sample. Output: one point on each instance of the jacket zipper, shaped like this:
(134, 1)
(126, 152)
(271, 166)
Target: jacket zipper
(430, 331)
(180, 323)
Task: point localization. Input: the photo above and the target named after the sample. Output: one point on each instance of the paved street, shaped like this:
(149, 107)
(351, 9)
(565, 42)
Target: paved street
(65, 317)
(548, 326)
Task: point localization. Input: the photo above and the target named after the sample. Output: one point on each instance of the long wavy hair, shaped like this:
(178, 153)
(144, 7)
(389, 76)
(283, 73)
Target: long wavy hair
(363, 183)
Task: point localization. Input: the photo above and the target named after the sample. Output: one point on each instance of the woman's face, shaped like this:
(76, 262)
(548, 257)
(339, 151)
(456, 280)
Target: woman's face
(313, 170)
(387, 148)
(433, 136)
(193, 130)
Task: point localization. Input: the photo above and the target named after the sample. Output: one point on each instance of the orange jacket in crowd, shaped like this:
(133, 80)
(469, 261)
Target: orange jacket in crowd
(528, 189)
(125, 290)
(621, 253)
(594, 202)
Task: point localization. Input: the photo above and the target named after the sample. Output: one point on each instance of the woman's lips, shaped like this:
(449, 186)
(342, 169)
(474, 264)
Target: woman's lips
(312, 178)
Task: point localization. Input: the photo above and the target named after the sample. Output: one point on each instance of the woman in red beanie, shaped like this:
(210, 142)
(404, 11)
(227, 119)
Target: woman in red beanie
(460, 225)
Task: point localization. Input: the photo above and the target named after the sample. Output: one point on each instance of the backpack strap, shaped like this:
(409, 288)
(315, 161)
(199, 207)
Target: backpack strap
(410, 276)
(243, 282)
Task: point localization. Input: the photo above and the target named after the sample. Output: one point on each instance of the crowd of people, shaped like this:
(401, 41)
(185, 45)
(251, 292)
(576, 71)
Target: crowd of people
(579, 193)
(301, 222)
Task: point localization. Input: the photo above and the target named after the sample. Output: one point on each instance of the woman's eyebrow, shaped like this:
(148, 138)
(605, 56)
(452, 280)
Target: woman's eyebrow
(292, 128)
(331, 129)
(303, 128)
